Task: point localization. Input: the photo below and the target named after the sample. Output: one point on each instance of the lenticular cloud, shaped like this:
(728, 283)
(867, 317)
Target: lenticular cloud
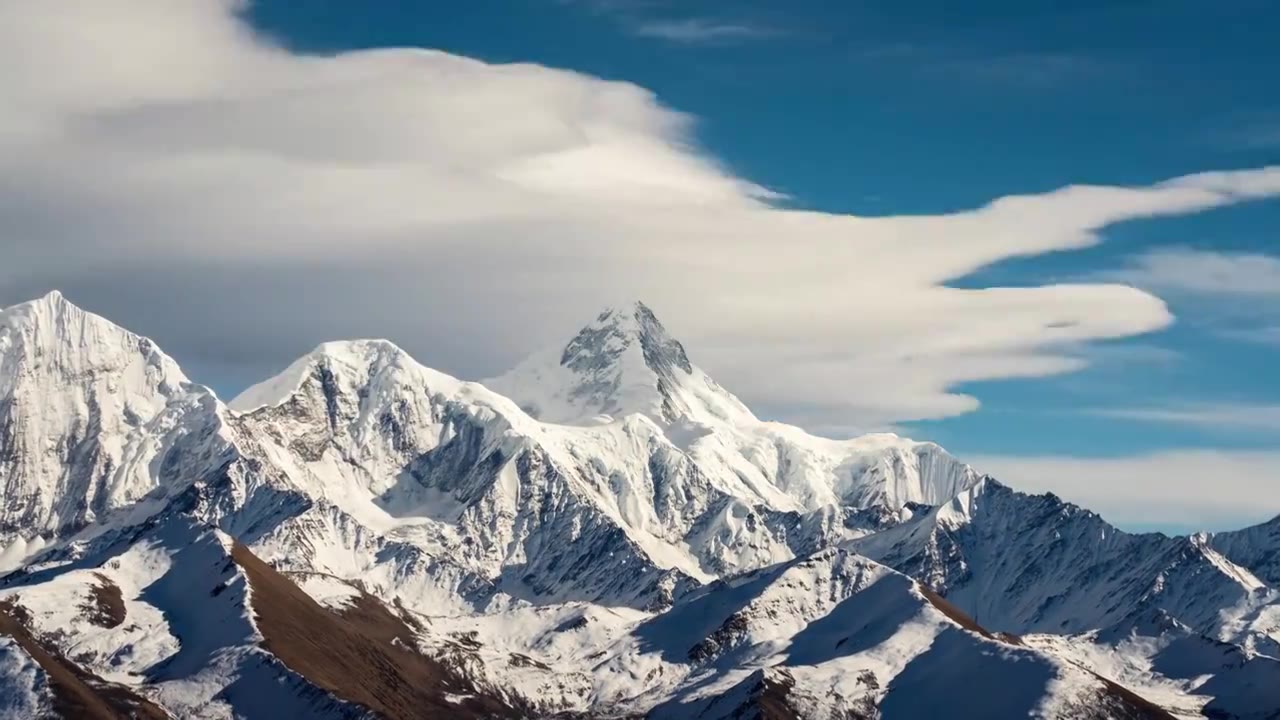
(242, 202)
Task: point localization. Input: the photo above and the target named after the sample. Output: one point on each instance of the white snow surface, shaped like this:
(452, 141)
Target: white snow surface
(1022, 563)
(680, 486)
(24, 686)
(839, 626)
(622, 363)
(603, 529)
(88, 411)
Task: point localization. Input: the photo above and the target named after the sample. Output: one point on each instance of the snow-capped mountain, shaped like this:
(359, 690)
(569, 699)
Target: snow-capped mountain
(622, 363)
(671, 493)
(829, 635)
(603, 531)
(1034, 564)
(92, 419)
(1256, 548)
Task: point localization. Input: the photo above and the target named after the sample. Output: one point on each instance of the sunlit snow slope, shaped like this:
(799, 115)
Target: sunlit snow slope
(603, 531)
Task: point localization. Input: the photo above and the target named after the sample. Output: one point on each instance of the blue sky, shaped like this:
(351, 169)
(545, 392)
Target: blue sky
(851, 108)
(852, 213)
(893, 108)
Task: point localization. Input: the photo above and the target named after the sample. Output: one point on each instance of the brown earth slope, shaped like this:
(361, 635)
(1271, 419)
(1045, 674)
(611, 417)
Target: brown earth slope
(105, 606)
(365, 655)
(77, 693)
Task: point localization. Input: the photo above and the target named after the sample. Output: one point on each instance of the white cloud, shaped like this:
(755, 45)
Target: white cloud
(1204, 272)
(1130, 355)
(240, 203)
(1193, 489)
(1267, 334)
(1222, 417)
(1234, 295)
(698, 30)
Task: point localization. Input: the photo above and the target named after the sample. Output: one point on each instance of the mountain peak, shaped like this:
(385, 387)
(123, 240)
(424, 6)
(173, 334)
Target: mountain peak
(616, 330)
(51, 336)
(53, 297)
(357, 363)
(621, 363)
(52, 304)
(87, 409)
(632, 316)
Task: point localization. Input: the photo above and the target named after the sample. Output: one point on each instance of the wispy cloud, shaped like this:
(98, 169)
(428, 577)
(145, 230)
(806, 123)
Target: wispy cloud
(655, 19)
(699, 31)
(1204, 272)
(1235, 295)
(1129, 355)
(1268, 335)
(1264, 137)
(613, 7)
(1220, 416)
(1190, 489)
(215, 214)
(1029, 70)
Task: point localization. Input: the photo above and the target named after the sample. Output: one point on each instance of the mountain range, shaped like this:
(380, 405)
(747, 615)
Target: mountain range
(602, 532)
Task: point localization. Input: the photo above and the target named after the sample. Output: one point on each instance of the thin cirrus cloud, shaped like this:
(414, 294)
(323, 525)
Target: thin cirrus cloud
(1204, 272)
(1020, 70)
(249, 202)
(1267, 335)
(1230, 417)
(645, 18)
(1235, 295)
(1185, 490)
(698, 31)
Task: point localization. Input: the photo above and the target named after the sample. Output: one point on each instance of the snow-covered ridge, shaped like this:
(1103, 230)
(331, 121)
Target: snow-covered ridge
(678, 475)
(51, 337)
(373, 357)
(91, 419)
(599, 501)
(1257, 548)
(1033, 563)
(623, 362)
(687, 492)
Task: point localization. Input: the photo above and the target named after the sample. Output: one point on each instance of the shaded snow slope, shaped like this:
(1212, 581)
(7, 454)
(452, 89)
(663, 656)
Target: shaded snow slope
(1033, 563)
(602, 531)
(24, 685)
(829, 635)
(208, 631)
(1256, 548)
(187, 634)
(1183, 671)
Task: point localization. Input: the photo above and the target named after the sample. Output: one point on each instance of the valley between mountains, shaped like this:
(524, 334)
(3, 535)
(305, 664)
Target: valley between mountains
(602, 532)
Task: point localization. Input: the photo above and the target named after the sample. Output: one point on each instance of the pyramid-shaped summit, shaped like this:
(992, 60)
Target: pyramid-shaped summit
(51, 336)
(623, 362)
(87, 412)
(616, 330)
